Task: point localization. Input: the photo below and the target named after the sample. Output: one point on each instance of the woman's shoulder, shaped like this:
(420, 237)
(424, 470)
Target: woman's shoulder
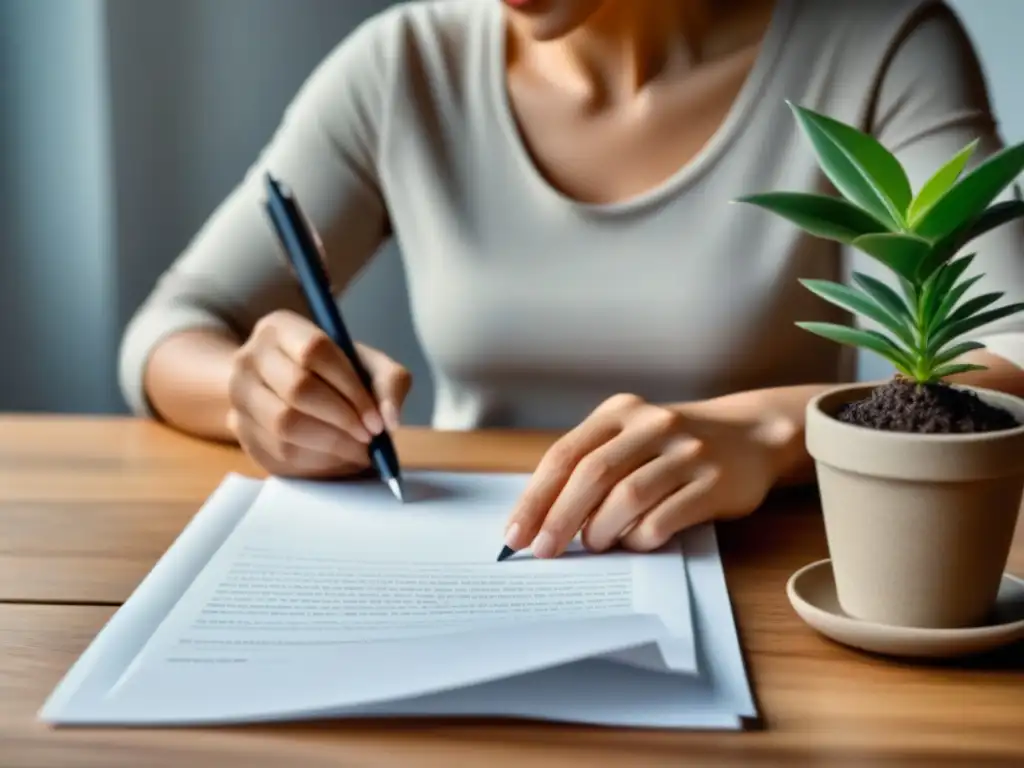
(845, 57)
(422, 51)
(852, 31)
(410, 61)
(431, 33)
(444, 18)
(857, 17)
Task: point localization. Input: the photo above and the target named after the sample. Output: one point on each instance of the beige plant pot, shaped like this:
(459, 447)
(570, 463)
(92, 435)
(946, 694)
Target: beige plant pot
(919, 527)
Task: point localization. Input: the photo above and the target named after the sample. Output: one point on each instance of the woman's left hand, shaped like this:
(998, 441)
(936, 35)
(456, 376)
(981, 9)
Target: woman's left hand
(634, 474)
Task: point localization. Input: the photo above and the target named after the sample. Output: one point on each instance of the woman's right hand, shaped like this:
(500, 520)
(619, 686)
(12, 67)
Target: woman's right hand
(297, 406)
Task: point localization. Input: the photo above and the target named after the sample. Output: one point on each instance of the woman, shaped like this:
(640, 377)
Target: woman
(557, 173)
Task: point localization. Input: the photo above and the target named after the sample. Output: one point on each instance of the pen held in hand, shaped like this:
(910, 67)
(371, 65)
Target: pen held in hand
(302, 248)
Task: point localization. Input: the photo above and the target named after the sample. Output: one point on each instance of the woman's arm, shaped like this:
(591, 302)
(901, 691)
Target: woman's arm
(177, 351)
(786, 405)
(185, 382)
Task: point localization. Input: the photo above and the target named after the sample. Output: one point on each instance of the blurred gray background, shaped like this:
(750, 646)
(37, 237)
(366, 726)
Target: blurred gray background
(124, 122)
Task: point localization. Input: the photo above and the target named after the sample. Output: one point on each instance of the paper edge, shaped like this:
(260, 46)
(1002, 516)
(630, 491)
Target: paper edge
(739, 689)
(171, 575)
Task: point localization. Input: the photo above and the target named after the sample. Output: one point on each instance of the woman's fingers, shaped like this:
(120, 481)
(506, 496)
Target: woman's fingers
(312, 350)
(594, 478)
(634, 496)
(691, 505)
(305, 392)
(285, 459)
(391, 383)
(298, 402)
(579, 472)
(548, 481)
(287, 433)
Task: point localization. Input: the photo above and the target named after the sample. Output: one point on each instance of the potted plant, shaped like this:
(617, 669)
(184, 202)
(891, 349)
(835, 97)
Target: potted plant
(920, 479)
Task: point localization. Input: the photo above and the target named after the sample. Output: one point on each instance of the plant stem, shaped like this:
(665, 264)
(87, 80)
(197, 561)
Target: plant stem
(923, 364)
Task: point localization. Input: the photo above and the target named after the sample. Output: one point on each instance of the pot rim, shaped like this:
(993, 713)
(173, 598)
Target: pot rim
(1000, 398)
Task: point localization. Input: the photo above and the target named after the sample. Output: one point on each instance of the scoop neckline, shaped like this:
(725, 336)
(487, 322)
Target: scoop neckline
(728, 130)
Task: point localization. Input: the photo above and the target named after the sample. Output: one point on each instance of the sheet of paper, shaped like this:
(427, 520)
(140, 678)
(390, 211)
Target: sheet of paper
(90, 692)
(594, 692)
(326, 582)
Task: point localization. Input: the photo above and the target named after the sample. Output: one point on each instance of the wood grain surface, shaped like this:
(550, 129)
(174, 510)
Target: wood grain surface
(88, 505)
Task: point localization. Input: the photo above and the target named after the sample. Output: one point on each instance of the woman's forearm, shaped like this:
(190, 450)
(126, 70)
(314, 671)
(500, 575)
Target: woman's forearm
(1000, 374)
(788, 405)
(186, 381)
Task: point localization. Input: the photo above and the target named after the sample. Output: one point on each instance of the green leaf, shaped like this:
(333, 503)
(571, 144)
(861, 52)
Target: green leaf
(972, 194)
(950, 272)
(860, 303)
(885, 296)
(939, 283)
(949, 300)
(910, 291)
(939, 184)
(856, 337)
(902, 253)
(956, 351)
(861, 168)
(953, 370)
(955, 330)
(827, 217)
(972, 307)
(996, 216)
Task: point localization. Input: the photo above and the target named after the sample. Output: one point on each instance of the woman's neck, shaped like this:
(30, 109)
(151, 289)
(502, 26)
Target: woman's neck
(626, 46)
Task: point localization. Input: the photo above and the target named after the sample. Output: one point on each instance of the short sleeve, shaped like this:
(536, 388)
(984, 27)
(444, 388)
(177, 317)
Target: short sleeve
(932, 100)
(232, 272)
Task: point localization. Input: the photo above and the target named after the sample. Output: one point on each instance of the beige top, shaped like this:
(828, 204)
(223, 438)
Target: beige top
(532, 307)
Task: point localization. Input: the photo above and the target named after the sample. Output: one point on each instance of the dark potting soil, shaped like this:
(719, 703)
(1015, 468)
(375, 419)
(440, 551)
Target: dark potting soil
(902, 405)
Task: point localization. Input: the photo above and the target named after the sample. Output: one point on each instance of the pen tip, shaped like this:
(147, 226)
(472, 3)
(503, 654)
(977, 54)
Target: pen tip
(506, 553)
(396, 488)
(275, 186)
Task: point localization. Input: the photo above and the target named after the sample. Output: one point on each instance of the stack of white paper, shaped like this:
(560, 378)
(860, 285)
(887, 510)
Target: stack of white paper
(288, 600)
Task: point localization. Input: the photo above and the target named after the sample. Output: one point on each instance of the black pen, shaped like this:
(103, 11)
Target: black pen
(302, 247)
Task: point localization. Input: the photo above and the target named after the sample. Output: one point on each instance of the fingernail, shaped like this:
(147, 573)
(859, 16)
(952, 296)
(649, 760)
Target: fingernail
(512, 536)
(390, 414)
(543, 545)
(373, 422)
(360, 434)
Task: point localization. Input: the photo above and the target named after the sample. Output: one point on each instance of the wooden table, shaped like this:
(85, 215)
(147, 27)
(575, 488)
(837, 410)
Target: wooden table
(87, 506)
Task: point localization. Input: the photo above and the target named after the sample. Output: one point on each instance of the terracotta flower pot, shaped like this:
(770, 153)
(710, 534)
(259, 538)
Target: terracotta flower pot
(919, 526)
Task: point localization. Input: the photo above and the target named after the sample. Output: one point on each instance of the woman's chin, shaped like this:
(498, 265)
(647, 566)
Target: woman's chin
(552, 19)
